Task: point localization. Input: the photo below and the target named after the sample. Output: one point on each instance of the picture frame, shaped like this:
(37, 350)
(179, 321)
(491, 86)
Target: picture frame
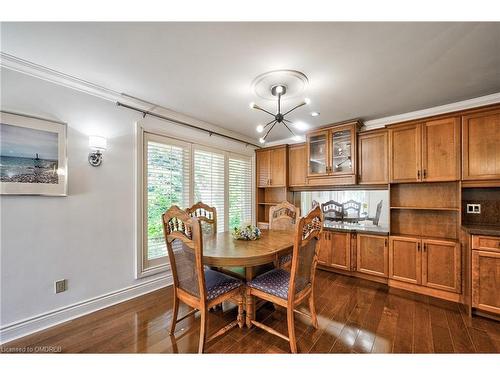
(33, 156)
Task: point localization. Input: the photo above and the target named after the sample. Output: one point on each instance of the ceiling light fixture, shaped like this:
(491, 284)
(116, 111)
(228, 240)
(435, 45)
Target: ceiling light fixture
(314, 114)
(278, 118)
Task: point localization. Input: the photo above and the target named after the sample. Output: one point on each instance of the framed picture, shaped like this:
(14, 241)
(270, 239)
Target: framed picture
(32, 156)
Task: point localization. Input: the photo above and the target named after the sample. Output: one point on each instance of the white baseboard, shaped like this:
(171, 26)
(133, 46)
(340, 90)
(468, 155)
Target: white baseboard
(40, 322)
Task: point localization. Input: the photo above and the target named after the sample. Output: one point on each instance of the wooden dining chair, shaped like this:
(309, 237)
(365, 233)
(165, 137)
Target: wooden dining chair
(290, 289)
(198, 287)
(283, 216)
(332, 210)
(207, 216)
(352, 210)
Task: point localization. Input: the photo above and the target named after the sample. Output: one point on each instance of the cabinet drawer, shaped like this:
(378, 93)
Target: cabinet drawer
(486, 243)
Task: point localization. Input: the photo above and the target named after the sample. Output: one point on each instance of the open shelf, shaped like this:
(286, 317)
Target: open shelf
(425, 223)
(426, 196)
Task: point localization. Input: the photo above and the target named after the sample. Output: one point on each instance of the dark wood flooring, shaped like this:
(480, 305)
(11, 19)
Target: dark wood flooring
(355, 316)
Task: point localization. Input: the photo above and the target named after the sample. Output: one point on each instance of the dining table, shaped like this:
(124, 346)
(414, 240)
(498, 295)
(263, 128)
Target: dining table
(223, 251)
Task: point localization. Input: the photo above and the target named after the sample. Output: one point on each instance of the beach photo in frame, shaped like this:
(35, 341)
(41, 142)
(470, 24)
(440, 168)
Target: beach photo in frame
(32, 156)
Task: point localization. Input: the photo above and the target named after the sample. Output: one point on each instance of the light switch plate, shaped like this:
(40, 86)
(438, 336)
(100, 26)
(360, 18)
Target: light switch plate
(61, 286)
(473, 208)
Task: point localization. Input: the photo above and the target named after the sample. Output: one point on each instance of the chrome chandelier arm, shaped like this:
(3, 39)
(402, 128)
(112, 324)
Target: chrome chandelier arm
(294, 108)
(255, 106)
(290, 130)
(269, 123)
(271, 128)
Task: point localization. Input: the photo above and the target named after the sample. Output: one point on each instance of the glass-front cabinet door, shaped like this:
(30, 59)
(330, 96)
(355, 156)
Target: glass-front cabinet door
(342, 140)
(317, 153)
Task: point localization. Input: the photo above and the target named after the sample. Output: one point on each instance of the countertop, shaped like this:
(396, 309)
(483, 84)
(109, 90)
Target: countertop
(485, 230)
(355, 228)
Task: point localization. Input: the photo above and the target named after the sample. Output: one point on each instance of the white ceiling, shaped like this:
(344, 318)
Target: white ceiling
(355, 70)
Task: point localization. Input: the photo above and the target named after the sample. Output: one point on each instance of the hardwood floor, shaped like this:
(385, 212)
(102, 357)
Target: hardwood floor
(354, 316)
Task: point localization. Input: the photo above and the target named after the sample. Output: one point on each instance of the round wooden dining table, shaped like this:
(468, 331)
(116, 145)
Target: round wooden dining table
(223, 250)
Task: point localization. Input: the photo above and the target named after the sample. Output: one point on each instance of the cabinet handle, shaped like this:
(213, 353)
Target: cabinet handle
(418, 174)
(418, 247)
(425, 173)
(425, 247)
(385, 242)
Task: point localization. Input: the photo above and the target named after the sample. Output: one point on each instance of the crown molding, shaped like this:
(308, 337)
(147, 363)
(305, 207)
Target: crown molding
(433, 111)
(17, 64)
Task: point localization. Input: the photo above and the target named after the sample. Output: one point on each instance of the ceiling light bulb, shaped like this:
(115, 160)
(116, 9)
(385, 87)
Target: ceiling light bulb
(279, 89)
(252, 105)
(260, 128)
(314, 114)
(307, 100)
(262, 140)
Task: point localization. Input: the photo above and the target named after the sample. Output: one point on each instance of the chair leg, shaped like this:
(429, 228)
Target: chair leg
(203, 330)
(240, 312)
(174, 315)
(291, 329)
(312, 308)
(249, 303)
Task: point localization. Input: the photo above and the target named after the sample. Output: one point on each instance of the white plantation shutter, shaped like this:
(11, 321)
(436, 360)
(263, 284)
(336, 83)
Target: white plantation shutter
(240, 191)
(166, 180)
(209, 181)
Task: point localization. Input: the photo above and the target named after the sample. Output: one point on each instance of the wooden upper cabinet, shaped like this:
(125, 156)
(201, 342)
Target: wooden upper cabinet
(481, 146)
(405, 262)
(486, 280)
(372, 255)
(279, 166)
(373, 149)
(441, 265)
(263, 166)
(297, 165)
(317, 153)
(272, 167)
(405, 153)
(441, 150)
(425, 152)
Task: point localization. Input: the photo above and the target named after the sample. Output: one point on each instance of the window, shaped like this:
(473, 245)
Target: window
(166, 182)
(240, 191)
(209, 181)
(180, 173)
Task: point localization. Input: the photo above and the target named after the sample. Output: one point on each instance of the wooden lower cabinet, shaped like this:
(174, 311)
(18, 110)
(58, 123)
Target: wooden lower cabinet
(431, 263)
(441, 265)
(335, 250)
(486, 281)
(372, 255)
(405, 262)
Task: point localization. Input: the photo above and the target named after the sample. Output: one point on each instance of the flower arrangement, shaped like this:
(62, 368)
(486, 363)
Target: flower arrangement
(247, 233)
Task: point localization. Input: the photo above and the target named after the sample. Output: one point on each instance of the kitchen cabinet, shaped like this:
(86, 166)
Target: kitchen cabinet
(272, 167)
(441, 262)
(373, 148)
(331, 155)
(427, 262)
(405, 262)
(486, 273)
(297, 165)
(372, 255)
(481, 145)
(335, 250)
(425, 152)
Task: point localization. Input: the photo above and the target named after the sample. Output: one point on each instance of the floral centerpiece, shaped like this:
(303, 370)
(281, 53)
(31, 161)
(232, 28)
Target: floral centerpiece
(246, 232)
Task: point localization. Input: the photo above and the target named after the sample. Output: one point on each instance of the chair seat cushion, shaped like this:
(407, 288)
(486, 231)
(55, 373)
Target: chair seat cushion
(218, 283)
(274, 282)
(284, 259)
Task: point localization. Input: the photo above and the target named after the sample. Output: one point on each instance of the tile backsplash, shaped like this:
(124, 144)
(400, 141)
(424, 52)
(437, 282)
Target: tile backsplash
(489, 199)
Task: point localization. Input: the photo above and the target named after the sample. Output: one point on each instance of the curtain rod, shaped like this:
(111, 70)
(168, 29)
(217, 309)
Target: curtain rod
(210, 132)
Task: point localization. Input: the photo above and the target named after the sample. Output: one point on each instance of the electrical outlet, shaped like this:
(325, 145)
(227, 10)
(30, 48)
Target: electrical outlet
(61, 286)
(473, 208)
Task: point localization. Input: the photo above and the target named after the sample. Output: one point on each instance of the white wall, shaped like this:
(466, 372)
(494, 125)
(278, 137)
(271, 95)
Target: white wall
(88, 236)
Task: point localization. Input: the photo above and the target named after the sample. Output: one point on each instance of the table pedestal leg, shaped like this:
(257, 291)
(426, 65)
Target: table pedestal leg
(250, 303)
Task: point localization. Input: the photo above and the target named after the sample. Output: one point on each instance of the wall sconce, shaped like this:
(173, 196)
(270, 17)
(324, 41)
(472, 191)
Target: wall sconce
(97, 144)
